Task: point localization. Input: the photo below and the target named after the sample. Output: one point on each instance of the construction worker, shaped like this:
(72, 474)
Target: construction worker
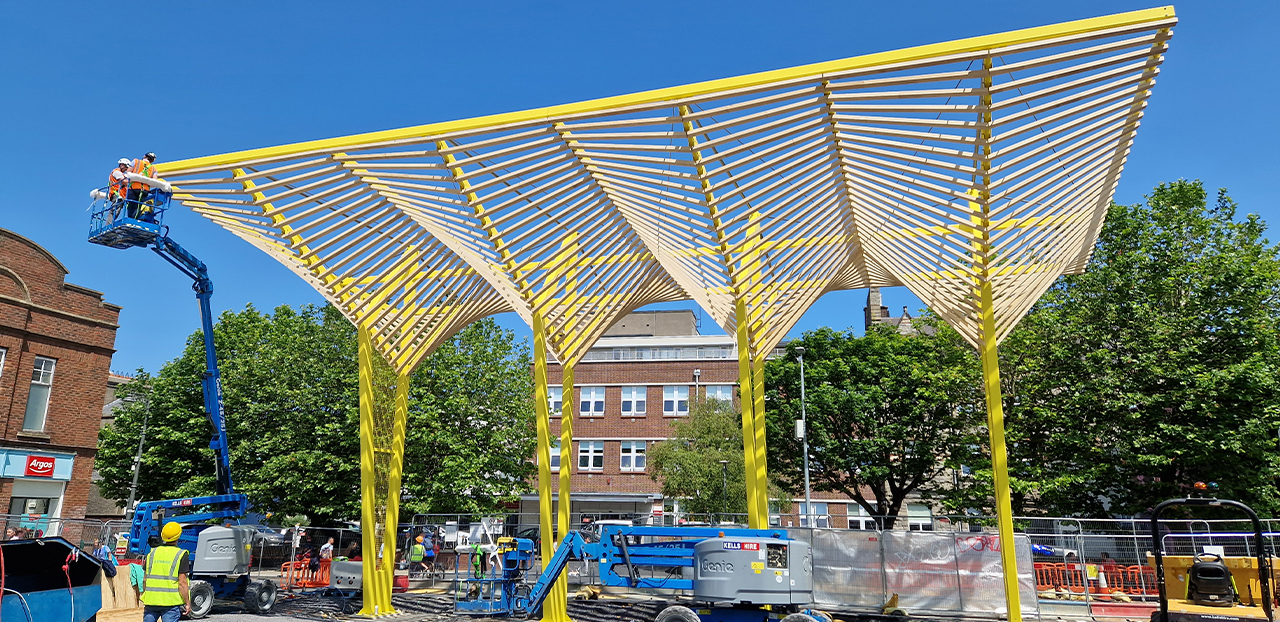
(118, 186)
(139, 191)
(417, 555)
(165, 590)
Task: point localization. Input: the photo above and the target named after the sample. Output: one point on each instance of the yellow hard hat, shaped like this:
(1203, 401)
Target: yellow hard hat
(171, 532)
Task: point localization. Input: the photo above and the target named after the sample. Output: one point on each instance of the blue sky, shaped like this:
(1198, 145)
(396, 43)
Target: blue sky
(87, 83)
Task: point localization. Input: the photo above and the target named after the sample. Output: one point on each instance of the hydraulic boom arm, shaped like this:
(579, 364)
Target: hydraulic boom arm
(212, 381)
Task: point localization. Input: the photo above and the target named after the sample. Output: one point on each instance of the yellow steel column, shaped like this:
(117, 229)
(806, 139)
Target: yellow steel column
(747, 402)
(555, 607)
(561, 588)
(377, 597)
(393, 481)
(761, 461)
(982, 258)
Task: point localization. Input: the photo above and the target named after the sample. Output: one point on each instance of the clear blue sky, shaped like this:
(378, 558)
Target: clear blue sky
(87, 83)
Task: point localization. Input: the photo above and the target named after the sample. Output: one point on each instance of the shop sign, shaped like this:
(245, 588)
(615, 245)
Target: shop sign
(39, 466)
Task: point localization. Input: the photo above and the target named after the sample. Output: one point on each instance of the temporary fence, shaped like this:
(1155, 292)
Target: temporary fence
(943, 565)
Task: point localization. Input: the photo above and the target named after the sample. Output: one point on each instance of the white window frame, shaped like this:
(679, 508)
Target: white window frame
(673, 398)
(821, 517)
(634, 401)
(859, 514)
(591, 402)
(917, 520)
(593, 451)
(722, 392)
(555, 400)
(43, 378)
(3, 353)
(555, 456)
(634, 457)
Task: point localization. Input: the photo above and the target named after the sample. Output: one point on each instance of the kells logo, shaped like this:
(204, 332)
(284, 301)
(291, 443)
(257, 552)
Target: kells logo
(39, 466)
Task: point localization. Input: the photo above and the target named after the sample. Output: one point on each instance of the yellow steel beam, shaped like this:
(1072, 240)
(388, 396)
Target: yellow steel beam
(377, 597)
(815, 70)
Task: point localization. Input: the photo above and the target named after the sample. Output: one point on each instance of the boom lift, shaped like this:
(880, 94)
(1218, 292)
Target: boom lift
(735, 575)
(220, 556)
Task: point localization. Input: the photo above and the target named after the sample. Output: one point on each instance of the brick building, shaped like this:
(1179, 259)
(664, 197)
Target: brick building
(56, 342)
(631, 386)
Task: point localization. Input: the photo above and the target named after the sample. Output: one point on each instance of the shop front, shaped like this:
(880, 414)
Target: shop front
(39, 484)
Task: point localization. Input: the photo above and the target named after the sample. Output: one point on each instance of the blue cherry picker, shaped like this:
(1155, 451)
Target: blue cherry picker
(220, 556)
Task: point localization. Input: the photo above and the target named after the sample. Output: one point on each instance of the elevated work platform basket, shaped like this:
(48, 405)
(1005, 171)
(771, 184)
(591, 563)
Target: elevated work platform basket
(124, 223)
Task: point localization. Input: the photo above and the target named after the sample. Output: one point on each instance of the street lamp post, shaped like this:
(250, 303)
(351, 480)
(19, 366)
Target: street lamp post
(724, 489)
(697, 382)
(804, 437)
(137, 459)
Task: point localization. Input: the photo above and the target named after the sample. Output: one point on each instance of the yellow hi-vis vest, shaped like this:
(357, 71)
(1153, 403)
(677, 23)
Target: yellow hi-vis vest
(417, 552)
(161, 586)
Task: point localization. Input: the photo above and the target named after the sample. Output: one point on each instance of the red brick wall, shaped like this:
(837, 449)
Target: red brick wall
(42, 315)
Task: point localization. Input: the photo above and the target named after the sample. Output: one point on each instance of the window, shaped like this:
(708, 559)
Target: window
(592, 402)
(590, 455)
(633, 399)
(633, 456)
(723, 392)
(38, 399)
(555, 456)
(919, 517)
(2, 353)
(820, 517)
(859, 518)
(675, 401)
(555, 397)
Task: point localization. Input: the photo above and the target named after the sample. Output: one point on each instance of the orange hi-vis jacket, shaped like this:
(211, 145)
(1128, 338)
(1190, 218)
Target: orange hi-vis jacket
(142, 167)
(117, 183)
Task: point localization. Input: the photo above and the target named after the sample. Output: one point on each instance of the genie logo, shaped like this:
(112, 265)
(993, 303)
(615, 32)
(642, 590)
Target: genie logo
(39, 466)
(222, 549)
(712, 566)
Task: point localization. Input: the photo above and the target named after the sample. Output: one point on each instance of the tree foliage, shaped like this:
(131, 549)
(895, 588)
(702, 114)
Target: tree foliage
(1154, 369)
(291, 395)
(688, 463)
(887, 413)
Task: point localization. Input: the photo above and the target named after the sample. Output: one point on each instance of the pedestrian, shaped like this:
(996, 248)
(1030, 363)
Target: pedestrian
(165, 589)
(139, 191)
(326, 551)
(118, 187)
(429, 554)
(11, 534)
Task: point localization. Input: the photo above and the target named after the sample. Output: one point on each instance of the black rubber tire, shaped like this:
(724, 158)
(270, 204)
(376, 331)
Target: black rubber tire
(259, 597)
(800, 617)
(201, 594)
(679, 613)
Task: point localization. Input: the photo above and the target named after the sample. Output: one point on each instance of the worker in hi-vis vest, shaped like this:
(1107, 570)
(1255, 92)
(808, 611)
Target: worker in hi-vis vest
(165, 592)
(138, 191)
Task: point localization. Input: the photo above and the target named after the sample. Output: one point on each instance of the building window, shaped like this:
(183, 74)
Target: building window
(2, 353)
(633, 400)
(592, 402)
(633, 456)
(675, 401)
(722, 392)
(859, 518)
(555, 456)
(590, 455)
(919, 517)
(38, 399)
(555, 400)
(820, 516)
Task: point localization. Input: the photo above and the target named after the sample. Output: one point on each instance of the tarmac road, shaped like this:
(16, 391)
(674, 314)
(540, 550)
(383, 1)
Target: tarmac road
(425, 608)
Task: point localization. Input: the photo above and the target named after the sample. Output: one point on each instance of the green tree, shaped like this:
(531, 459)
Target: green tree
(290, 388)
(688, 464)
(887, 413)
(1153, 369)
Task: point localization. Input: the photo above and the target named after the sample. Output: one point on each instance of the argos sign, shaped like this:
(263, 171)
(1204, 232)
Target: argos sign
(39, 466)
(43, 465)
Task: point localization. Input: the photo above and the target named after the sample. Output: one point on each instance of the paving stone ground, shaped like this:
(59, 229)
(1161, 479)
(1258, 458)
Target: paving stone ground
(423, 608)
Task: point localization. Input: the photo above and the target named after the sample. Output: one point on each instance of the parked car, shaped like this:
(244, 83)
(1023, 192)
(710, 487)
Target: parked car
(267, 535)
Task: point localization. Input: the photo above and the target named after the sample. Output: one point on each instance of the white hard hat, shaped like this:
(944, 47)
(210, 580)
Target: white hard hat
(124, 161)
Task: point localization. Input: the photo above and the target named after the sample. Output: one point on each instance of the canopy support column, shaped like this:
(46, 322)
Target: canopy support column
(555, 608)
(382, 432)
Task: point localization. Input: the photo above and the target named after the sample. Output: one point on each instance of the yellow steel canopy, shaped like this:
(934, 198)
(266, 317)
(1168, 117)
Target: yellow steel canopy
(973, 172)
